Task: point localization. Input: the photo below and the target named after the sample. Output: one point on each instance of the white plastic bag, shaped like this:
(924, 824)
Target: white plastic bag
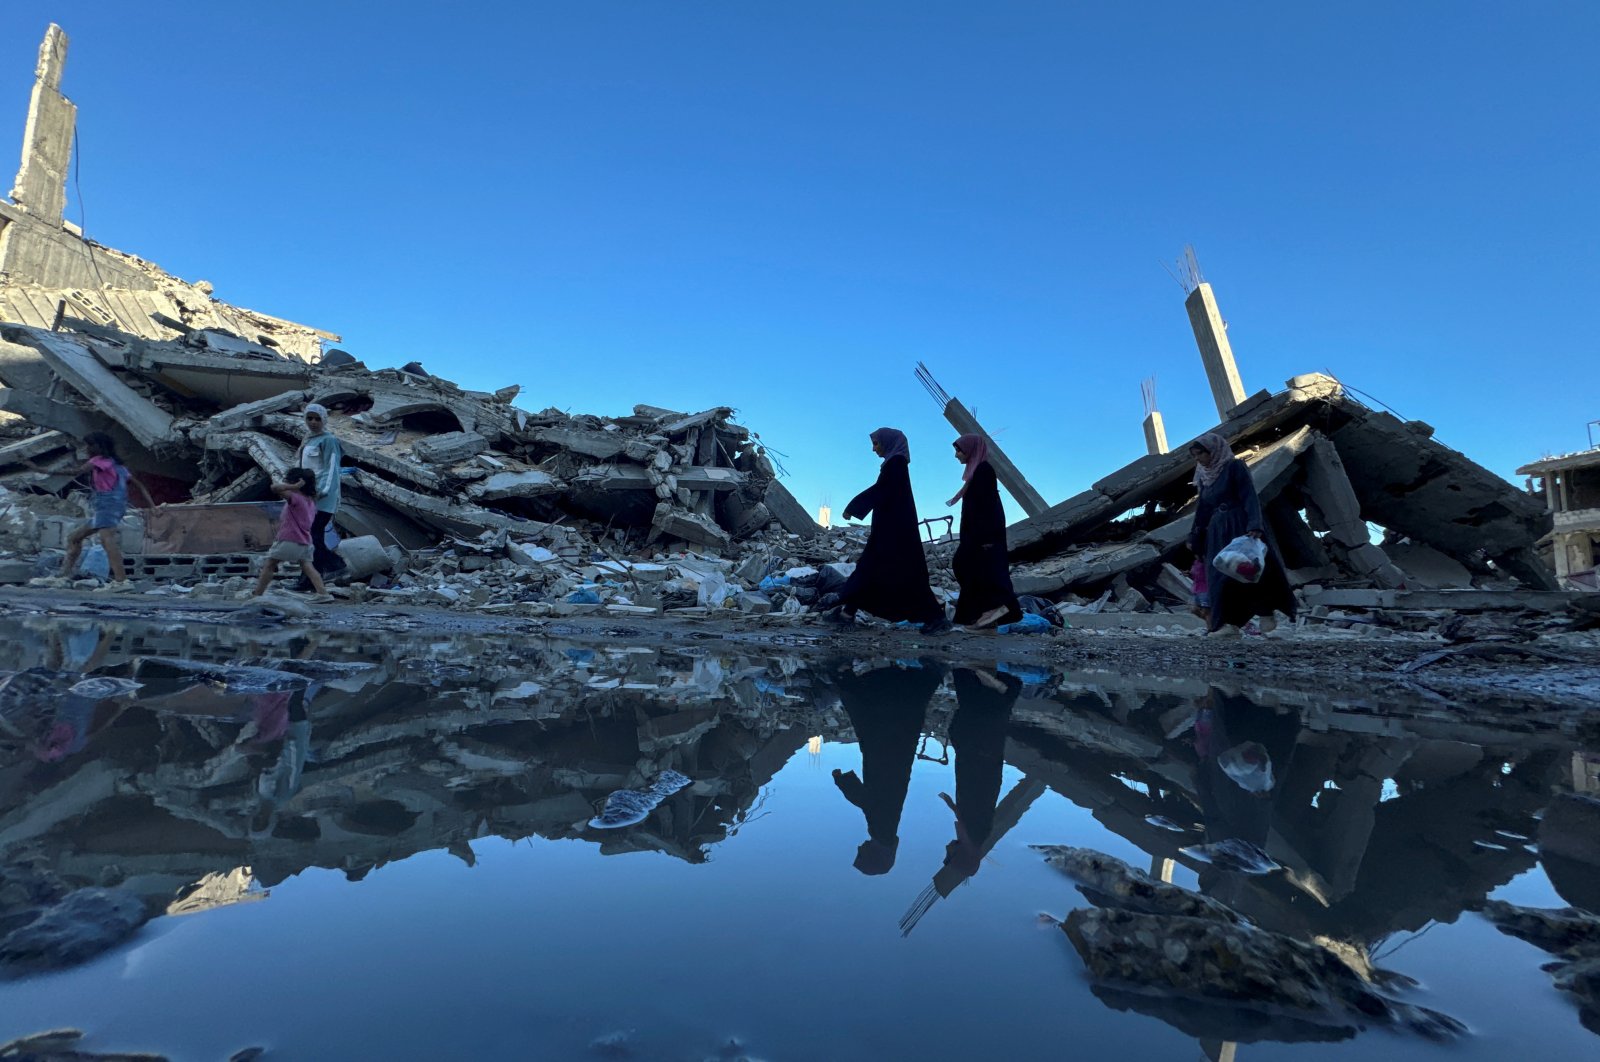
(1244, 559)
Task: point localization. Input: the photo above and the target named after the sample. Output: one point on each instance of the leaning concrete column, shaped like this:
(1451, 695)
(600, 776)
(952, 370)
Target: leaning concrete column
(41, 186)
(1215, 352)
(962, 420)
(1010, 477)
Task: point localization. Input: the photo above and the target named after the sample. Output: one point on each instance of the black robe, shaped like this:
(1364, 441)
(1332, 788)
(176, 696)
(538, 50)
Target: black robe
(1228, 507)
(981, 565)
(886, 707)
(891, 576)
(978, 735)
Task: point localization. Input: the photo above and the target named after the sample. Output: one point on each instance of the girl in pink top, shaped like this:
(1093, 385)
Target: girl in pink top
(109, 479)
(293, 543)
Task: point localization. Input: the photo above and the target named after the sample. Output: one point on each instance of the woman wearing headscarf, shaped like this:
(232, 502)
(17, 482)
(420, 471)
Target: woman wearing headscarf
(1228, 508)
(981, 565)
(891, 576)
(321, 453)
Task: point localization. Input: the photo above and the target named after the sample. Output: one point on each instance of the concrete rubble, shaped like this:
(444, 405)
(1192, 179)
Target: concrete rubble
(203, 399)
(1377, 523)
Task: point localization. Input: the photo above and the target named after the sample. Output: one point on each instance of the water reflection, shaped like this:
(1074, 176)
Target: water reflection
(245, 758)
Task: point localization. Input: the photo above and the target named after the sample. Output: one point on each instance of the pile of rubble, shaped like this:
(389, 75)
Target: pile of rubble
(1372, 516)
(208, 419)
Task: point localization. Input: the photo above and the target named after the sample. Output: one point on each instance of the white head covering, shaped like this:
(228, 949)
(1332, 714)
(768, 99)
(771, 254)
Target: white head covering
(319, 409)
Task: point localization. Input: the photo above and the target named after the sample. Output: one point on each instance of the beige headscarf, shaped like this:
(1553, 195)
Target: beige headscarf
(1219, 454)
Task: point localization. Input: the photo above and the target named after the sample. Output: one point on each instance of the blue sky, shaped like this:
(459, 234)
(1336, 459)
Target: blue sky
(782, 207)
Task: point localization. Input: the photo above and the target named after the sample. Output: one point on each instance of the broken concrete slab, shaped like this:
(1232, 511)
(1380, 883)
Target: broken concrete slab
(699, 530)
(1410, 483)
(34, 447)
(449, 447)
(72, 360)
(789, 513)
(526, 483)
(221, 378)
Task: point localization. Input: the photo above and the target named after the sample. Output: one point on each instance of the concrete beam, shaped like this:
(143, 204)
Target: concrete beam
(1008, 474)
(628, 477)
(1211, 335)
(41, 184)
(32, 447)
(451, 517)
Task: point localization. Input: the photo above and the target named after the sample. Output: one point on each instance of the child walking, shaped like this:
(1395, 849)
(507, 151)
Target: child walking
(293, 543)
(109, 479)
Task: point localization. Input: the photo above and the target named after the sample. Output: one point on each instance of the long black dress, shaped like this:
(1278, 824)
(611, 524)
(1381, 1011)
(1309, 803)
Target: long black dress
(891, 576)
(981, 565)
(978, 735)
(1229, 508)
(886, 707)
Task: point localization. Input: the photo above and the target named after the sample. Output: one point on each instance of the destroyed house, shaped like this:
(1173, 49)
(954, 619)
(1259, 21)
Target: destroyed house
(1570, 486)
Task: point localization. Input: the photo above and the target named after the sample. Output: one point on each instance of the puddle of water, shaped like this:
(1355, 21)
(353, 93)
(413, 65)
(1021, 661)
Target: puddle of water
(383, 846)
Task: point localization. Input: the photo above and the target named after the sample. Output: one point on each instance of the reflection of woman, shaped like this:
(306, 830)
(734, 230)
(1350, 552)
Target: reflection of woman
(1228, 508)
(980, 563)
(891, 577)
(886, 708)
(978, 735)
(1244, 751)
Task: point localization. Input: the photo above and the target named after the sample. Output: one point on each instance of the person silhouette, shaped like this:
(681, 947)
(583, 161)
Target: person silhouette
(886, 706)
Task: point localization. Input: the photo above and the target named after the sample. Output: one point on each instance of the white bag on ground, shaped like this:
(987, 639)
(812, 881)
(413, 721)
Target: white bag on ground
(1244, 559)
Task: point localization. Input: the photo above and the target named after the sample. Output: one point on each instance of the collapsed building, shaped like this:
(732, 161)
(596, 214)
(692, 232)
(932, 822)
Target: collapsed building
(1366, 510)
(202, 399)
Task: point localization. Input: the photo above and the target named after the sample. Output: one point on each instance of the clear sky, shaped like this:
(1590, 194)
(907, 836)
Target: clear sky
(782, 207)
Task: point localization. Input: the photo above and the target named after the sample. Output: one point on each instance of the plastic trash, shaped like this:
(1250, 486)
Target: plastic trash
(772, 582)
(1030, 623)
(713, 591)
(583, 597)
(627, 807)
(1030, 674)
(1244, 559)
(1249, 766)
(95, 562)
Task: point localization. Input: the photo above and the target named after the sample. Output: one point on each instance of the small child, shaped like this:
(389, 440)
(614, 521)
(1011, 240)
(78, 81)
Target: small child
(109, 478)
(293, 544)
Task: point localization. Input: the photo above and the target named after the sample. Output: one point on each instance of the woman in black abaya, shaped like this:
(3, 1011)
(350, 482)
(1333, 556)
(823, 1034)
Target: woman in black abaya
(891, 576)
(981, 565)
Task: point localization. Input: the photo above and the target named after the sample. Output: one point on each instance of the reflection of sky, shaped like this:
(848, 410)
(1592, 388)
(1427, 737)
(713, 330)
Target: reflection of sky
(545, 945)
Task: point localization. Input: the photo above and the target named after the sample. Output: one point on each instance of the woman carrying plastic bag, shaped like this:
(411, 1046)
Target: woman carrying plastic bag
(1244, 579)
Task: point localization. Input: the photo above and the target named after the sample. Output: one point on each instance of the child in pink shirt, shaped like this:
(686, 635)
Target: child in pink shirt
(293, 544)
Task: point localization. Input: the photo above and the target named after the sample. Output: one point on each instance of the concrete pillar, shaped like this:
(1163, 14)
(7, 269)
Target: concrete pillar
(1155, 433)
(41, 186)
(1215, 352)
(1566, 497)
(1010, 478)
